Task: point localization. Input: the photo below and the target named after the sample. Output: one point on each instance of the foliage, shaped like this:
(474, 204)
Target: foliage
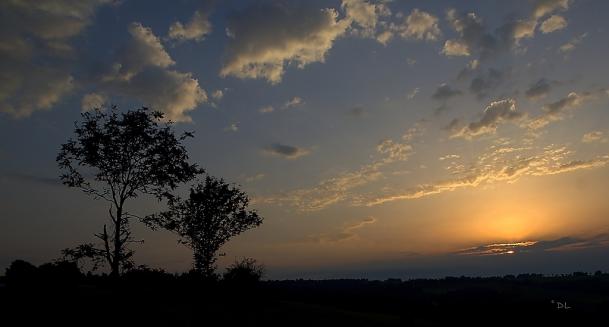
(244, 272)
(118, 156)
(214, 212)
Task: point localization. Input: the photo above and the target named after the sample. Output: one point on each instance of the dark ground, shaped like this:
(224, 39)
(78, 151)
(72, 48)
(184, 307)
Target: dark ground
(158, 299)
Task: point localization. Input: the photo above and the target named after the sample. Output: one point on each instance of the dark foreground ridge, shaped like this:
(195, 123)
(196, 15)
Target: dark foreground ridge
(61, 296)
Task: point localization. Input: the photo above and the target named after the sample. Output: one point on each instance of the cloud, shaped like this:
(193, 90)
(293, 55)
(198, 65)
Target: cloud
(141, 70)
(143, 51)
(445, 92)
(393, 150)
(567, 243)
(357, 111)
(266, 109)
(420, 25)
(455, 48)
(286, 151)
(453, 125)
(217, 95)
(593, 136)
(554, 23)
(474, 37)
(555, 111)
(267, 37)
(498, 165)
(93, 101)
(198, 27)
(294, 102)
(572, 44)
(545, 7)
(538, 90)
(413, 93)
(487, 82)
(365, 16)
(36, 57)
(342, 186)
(172, 92)
(233, 127)
(449, 156)
(328, 191)
(497, 249)
(494, 114)
(346, 233)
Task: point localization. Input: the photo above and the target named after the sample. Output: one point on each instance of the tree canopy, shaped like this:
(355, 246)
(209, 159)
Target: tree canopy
(116, 156)
(214, 212)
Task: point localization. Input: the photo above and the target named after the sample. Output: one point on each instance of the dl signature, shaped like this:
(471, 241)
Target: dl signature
(561, 305)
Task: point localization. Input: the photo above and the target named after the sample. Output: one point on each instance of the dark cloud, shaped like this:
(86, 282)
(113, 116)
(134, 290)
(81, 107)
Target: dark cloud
(453, 125)
(567, 243)
(286, 151)
(538, 90)
(475, 38)
(494, 114)
(487, 82)
(357, 111)
(36, 55)
(445, 92)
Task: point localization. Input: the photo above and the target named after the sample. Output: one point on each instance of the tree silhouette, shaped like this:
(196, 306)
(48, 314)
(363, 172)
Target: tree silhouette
(118, 156)
(244, 273)
(214, 212)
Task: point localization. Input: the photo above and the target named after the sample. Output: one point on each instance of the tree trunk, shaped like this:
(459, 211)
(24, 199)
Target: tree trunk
(117, 243)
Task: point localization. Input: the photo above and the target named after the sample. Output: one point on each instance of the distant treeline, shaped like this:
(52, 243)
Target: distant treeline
(59, 293)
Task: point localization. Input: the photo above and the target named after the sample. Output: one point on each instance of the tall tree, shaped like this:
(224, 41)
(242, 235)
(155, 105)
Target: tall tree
(118, 156)
(214, 212)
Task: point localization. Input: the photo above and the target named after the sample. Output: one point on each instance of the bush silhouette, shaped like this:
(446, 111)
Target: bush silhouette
(244, 272)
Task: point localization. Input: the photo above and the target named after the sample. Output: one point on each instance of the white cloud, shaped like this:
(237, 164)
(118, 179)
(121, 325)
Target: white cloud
(496, 166)
(366, 16)
(342, 186)
(394, 151)
(198, 27)
(455, 48)
(141, 70)
(294, 102)
(265, 38)
(413, 93)
(217, 95)
(545, 7)
(145, 50)
(554, 23)
(420, 25)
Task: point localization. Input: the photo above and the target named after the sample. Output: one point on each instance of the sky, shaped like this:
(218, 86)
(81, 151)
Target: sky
(376, 138)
